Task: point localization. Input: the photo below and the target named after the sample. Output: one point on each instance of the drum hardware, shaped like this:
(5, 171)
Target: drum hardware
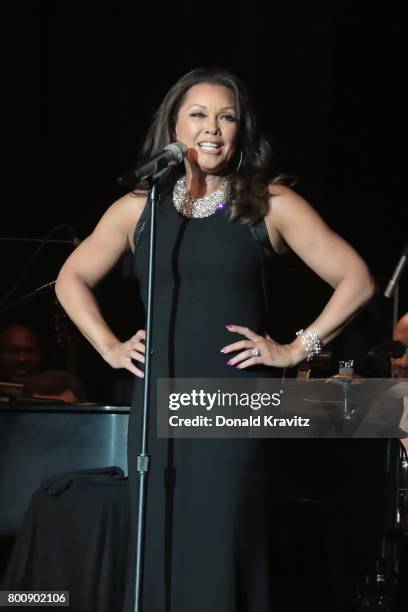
(317, 368)
(379, 585)
(345, 378)
(402, 515)
(377, 590)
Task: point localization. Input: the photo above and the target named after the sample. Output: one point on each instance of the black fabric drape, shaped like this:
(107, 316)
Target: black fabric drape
(74, 538)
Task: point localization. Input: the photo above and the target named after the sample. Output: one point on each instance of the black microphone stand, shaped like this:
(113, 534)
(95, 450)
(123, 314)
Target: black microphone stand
(143, 459)
(392, 289)
(157, 169)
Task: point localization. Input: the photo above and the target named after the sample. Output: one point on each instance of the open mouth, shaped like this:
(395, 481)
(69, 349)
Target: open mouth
(209, 146)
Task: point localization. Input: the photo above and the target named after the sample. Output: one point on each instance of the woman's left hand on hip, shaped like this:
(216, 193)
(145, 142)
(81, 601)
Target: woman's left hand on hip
(258, 350)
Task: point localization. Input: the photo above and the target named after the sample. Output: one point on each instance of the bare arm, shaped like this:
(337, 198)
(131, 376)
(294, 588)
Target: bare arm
(296, 223)
(86, 266)
(327, 254)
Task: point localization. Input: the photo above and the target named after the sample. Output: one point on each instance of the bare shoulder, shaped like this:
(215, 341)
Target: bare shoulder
(282, 196)
(279, 189)
(124, 214)
(283, 206)
(128, 208)
(288, 208)
(95, 256)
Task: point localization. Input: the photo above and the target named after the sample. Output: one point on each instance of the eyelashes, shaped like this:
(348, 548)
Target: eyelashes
(228, 118)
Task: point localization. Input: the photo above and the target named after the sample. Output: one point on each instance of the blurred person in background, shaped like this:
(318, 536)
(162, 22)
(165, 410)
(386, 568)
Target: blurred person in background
(399, 367)
(20, 353)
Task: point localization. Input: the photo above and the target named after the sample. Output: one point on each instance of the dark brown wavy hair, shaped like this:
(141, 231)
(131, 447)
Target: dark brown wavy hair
(249, 184)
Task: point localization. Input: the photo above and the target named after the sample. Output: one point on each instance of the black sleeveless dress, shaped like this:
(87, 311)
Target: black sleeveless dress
(207, 545)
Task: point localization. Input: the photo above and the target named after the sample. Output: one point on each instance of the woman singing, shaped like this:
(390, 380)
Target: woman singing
(222, 221)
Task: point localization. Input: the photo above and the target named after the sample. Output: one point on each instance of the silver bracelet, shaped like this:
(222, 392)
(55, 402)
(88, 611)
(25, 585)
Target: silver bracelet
(311, 343)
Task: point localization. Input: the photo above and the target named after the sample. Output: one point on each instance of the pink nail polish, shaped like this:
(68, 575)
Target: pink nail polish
(230, 327)
(224, 350)
(230, 362)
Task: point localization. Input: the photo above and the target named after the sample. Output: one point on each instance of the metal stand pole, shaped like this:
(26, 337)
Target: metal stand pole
(395, 308)
(143, 458)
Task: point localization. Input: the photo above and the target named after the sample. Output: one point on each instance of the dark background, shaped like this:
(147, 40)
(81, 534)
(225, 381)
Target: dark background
(79, 88)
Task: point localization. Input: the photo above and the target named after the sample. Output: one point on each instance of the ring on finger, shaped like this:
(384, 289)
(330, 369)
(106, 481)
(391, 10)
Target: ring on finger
(255, 351)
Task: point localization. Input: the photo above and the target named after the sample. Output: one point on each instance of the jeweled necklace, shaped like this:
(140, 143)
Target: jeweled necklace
(198, 208)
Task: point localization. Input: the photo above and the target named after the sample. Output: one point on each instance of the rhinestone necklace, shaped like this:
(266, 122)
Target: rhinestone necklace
(198, 208)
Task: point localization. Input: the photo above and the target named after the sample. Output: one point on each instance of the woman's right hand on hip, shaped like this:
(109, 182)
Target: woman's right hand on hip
(122, 354)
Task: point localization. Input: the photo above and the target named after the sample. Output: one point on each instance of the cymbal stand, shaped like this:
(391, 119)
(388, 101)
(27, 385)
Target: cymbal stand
(345, 378)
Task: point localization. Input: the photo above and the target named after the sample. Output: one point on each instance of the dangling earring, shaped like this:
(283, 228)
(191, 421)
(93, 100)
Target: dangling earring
(239, 163)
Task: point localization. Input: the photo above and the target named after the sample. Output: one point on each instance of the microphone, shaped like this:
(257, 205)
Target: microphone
(388, 293)
(392, 348)
(388, 348)
(377, 361)
(172, 155)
